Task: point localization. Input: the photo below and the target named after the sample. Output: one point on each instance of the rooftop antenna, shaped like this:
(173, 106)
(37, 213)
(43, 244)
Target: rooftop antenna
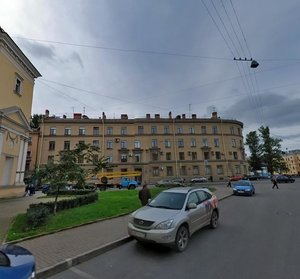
(190, 106)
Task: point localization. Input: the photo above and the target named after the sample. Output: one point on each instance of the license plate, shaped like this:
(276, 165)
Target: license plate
(138, 234)
(241, 191)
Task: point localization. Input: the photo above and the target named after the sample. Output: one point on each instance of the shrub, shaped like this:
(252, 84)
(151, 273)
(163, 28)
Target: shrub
(37, 215)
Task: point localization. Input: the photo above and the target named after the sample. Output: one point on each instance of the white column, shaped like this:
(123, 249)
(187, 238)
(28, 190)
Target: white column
(23, 164)
(20, 160)
(1, 139)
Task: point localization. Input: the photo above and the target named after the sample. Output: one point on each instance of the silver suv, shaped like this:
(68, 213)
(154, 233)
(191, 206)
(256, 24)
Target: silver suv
(174, 215)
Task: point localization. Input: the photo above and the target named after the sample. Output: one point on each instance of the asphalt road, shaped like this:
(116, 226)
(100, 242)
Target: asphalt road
(257, 237)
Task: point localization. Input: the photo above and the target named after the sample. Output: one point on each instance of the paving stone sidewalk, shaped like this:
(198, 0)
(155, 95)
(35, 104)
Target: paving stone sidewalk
(59, 251)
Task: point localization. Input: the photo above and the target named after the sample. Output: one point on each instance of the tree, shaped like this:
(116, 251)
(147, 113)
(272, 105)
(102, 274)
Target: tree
(35, 121)
(253, 142)
(271, 151)
(67, 169)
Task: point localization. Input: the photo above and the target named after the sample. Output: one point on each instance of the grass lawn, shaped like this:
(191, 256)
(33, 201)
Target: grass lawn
(110, 204)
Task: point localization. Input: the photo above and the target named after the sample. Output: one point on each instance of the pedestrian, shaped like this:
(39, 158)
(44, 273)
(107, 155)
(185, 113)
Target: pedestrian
(26, 190)
(229, 182)
(274, 180)
(144, 194)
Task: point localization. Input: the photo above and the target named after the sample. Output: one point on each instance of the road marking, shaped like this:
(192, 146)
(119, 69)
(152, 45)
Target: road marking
(82, 274)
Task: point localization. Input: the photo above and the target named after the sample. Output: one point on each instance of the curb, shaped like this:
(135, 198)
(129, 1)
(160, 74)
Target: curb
(66, 264)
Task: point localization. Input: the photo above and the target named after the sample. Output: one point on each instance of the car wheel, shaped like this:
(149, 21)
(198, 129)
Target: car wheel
(214, 220)
(182, 239)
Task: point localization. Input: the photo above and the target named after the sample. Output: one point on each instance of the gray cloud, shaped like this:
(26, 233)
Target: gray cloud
(39, 50)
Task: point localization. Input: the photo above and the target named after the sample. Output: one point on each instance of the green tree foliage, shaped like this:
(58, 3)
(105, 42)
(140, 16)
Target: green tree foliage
(265, 150)
(35, 121)
(271, 151)
(253, 142)
(67, 169)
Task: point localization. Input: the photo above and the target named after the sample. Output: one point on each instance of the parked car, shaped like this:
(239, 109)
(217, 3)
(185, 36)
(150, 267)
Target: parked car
(173, 216)
(243, 187)
(236, 177)
(284, 179)
(178, 179)
(16, 262)
(168, 183)
(198, 179)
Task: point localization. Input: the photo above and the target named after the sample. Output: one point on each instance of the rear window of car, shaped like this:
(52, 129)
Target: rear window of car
(169, 200)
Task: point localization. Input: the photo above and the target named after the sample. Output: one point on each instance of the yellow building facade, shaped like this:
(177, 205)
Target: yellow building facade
(158, 147)
(292, 160)
(17, 76)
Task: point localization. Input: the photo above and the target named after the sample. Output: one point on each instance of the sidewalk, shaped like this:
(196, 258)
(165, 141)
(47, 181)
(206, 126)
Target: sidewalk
(58, 251)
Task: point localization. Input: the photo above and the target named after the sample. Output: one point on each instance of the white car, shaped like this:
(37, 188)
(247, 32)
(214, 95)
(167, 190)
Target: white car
(199, 179)
(173, 216)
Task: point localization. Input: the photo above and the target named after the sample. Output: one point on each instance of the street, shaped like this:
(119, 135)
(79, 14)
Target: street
(257, 237)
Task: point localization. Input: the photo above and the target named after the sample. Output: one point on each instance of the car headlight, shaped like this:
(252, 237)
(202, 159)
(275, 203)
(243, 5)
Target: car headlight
(165, 225)
(131, 217)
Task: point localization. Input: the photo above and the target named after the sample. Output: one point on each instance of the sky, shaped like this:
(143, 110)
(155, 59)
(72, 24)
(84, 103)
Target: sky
(137, 57)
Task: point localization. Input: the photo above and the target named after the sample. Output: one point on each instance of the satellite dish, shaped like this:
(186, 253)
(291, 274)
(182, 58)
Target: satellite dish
(254, 64)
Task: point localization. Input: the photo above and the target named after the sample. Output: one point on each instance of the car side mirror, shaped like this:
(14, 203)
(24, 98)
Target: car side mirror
(192, 205)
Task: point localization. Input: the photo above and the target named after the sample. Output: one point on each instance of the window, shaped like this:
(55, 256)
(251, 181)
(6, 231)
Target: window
(155, 171)
(238, 169)
(166, 130)
(167, 143)
(95, 157)
(109, 144)
(51, 145)
(123, 144)
(180, 143)
(179, 130)
(193, 198)
(67, 131)
(154, 143)
(137, 144)
(196, 170)
(109, 158)
(220, 169)
(239, 131)
(96, 131)
(203, 129)
(67, 145)
(81, 131)
(183, 170)
(235, 155)
(193, 142)
(137, 157)
(215, 130)
(52, 131)
(153, 130)
(18, 85)
(206, 155)
(81, 142)
(208, 170)
(123, 157)
(216, 142)
(140, 130)
(123, 131)
(96, 143)
(80, 160)
(109, 130)
(168, 156)
(181, 155)
(169, 171)
(205, 142)
(192, 130)
(50, 159)
(194, 155)
(233, 143)
(232, 130)
(218, 155)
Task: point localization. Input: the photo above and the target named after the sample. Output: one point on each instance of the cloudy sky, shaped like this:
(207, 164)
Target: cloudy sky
(155, 56)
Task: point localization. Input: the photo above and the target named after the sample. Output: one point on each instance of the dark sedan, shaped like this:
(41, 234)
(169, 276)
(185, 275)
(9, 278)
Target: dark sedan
(16, 262)
(284, 179)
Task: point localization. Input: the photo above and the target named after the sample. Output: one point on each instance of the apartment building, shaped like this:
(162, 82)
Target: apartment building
(292, 160)
(159, 147)
(16, 91)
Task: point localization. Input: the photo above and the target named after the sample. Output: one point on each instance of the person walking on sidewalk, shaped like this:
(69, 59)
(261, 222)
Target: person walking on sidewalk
(144, 194)
(274, 180)
(229, 182)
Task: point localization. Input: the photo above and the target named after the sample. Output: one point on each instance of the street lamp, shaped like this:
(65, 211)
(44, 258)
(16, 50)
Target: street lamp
(254, 64)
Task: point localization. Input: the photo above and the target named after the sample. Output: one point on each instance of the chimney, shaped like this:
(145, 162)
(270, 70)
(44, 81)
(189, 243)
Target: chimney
(183, 116)
(76, 115)
(148, 116)
(170, 115)
(214, 115)
(46, 113)
(194, 116)
(157, 116)
(124, 116)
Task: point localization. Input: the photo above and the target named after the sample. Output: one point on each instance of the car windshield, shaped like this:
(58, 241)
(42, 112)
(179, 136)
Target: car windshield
(242, 183)
(168, 200)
